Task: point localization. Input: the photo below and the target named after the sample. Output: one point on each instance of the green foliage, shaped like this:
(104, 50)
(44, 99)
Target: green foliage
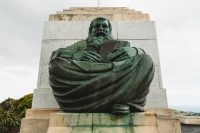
(12, 111)
(22, 104)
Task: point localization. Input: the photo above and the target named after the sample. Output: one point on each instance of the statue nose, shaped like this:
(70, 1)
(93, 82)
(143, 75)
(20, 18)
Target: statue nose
(100, 28)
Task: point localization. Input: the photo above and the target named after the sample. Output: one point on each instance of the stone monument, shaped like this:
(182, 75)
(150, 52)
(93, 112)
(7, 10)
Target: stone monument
(127, 24)
(71, 25)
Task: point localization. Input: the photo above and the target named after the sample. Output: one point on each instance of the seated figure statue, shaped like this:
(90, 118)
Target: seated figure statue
(100, 74)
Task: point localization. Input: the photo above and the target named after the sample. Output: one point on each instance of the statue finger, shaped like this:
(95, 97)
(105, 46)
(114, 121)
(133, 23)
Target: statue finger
(115, 54)
(94, 53)
(121, 58)
(93, 57)
(89, 58)
(85, 58)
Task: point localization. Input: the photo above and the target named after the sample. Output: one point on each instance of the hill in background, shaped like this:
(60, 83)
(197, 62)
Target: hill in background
(11, 113)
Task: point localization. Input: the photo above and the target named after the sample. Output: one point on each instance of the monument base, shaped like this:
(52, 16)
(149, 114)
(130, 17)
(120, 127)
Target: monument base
(56, 121)
(36, 120)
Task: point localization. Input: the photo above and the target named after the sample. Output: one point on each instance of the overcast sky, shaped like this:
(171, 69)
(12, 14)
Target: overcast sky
(178, 31)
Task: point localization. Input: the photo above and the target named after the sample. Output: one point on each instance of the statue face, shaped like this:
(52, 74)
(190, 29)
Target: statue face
(100, 28)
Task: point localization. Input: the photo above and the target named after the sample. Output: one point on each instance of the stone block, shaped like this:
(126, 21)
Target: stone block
(191, 120)
(144, 119)
(146, 129)
(43, 98)
(151, 121)
(40, 113)
(120, 129)
(79, 14)
(177, 126)
(43, 81)
(149, 46)
(34, 125)
(155, 84)
(48, 46)
(157, 98)
(69, 130)
(160, 111)
(63, 30)
(39, 76)
(106, 119)
(160, 77)
(136, 30)
(168, 124)
(71, 119)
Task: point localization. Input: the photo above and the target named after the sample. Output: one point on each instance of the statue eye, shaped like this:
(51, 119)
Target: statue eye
(105, 26)
(96, 26)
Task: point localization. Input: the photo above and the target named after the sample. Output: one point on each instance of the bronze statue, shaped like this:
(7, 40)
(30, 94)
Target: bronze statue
(100, 74)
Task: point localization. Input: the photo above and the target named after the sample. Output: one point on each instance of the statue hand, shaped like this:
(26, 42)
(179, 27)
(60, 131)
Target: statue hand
(87, 56)
(122, 54)
(62, 52)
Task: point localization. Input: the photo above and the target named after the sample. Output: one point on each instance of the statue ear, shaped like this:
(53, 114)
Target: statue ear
(90, 28)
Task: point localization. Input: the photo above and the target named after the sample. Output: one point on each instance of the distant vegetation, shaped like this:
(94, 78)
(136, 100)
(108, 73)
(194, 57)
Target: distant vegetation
(11, 113)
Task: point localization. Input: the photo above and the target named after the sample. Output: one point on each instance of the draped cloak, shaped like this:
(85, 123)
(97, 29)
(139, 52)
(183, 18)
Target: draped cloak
(82, 86)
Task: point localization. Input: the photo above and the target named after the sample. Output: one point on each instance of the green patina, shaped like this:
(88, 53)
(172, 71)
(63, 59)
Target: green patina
(100, 74)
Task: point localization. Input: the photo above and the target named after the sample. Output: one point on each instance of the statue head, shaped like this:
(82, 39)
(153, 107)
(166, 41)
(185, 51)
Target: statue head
(100, 27)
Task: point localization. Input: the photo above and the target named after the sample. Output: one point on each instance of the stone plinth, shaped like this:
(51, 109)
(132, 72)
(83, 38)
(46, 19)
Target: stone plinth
(56, 121)
(36, 120)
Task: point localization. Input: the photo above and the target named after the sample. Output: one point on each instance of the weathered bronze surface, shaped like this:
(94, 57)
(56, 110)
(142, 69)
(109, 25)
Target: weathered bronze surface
(100, 74)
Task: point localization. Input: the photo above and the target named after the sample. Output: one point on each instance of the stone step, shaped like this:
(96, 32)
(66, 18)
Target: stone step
(144, 129)
(99, 12)
(152, 121)
(97, 8)
(40, 113)
(34, 125)
(75, 17)
(36, 120)
(90, 13)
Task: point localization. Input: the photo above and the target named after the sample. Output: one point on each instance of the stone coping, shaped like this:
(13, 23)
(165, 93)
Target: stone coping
(89, 13)
(158, 113)
(189, 120)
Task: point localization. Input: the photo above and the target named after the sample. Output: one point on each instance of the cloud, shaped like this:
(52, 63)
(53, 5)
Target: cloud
(15, 82)
(178, 30)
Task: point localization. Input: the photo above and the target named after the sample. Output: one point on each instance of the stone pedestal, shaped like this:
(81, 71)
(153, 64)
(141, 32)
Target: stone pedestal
(55, 121)
(36, 120)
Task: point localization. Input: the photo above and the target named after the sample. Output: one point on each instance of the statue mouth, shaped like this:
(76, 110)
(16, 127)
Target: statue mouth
(100, 33)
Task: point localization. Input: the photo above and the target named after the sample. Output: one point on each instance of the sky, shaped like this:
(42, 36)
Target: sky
(178, 33)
